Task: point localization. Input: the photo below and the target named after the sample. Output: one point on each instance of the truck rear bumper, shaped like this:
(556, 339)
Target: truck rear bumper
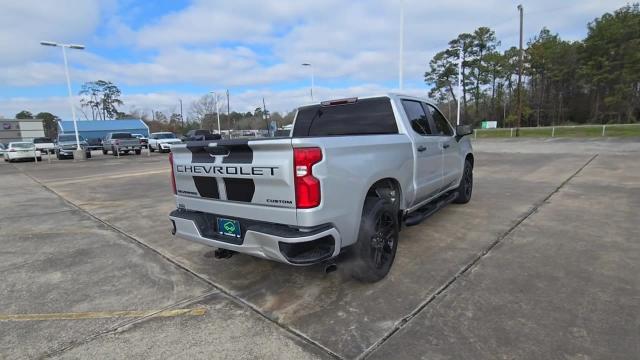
(294, 246)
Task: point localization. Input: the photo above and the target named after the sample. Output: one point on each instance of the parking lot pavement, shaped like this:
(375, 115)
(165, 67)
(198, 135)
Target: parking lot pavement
(524, 253)
(564, 284)
(68, 278)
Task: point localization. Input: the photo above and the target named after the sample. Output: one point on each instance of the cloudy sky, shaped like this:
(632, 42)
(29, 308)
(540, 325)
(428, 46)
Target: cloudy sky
(161, 51)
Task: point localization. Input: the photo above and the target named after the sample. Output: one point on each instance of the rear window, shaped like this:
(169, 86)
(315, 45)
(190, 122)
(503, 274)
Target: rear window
(22, 145)
(41, 140)
(364, 117)
(121, 136)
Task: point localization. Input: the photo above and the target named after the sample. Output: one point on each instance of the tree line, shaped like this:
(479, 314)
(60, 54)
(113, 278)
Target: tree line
(595, 80)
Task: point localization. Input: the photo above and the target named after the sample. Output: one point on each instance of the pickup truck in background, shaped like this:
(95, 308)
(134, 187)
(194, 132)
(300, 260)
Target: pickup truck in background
(162, 141)
(144, 141)
(201, 134)
(66, 144)
(351, 173)
(44, 145)
(121, 142)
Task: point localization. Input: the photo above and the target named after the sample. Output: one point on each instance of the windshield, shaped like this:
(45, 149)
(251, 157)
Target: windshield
(165, 136)
(121, 136)
(68, 138)
(22, 145)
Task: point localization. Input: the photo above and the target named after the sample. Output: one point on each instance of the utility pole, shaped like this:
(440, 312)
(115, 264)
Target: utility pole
(228, 113)
(520, 76)
(264, 115)
(181, 118)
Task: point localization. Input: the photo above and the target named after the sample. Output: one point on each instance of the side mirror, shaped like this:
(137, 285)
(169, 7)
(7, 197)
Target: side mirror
(463, 130)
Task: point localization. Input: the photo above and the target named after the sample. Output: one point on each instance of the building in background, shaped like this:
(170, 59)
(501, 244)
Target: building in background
(20, 130)
(91, 130)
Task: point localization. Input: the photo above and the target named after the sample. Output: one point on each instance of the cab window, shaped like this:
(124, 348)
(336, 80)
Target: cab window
(442, 125)
(417, 117)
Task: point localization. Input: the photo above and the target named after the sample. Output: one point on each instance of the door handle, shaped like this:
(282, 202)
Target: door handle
(445, 146)
(422, 148)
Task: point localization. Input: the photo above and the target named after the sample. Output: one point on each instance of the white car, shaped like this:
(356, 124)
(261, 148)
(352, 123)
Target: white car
(21, 150)
(162, 141)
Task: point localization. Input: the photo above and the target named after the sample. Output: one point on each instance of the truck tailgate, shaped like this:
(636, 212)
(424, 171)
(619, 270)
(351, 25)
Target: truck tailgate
(251, 179)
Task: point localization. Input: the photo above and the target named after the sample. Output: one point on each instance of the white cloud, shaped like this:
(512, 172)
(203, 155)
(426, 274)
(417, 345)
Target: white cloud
(168, 102)
(250, 44)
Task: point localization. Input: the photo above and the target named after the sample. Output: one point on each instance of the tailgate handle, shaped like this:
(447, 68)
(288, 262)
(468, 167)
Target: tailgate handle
(217, 150)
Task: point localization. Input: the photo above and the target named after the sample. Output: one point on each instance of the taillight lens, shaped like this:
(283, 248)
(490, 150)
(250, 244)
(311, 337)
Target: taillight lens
(173, 177)
(307, 186)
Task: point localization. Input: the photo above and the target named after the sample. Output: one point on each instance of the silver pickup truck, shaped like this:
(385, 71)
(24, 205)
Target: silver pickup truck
(351, 173)
(121, 142)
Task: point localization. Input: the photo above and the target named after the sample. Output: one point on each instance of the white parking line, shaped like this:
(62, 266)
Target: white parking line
(98, 177)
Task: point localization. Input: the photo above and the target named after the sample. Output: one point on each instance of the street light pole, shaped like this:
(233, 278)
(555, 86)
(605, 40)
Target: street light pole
(401, 50)
(520, 76)
(312, 78)
(66, 71)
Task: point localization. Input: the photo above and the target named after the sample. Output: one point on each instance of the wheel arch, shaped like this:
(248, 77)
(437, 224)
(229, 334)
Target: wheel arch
(471, 159)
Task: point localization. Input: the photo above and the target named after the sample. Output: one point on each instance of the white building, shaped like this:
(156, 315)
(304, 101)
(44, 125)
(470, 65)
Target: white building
(20, 130)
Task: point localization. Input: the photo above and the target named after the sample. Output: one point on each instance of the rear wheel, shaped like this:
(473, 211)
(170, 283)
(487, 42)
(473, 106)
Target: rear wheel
(138, 151)
(88, 154)
(375, 250)
(151, 148)
(466, 184)
(105, 152)
(115, 153)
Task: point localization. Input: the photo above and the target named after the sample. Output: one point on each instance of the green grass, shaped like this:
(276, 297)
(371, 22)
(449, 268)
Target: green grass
(568, 131)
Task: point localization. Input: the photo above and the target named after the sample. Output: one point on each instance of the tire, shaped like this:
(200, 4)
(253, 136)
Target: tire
(105, 152)
(115, 153)
(373, 254)
(138, 151)
(151, 148)
(89, 155)
(39, 158)
(466, 184)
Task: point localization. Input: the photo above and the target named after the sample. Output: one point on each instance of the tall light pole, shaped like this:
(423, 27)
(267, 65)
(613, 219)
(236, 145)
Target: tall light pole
(401, 50)
(66, 71)
(310, 66)
(520, 75)
(215, 99)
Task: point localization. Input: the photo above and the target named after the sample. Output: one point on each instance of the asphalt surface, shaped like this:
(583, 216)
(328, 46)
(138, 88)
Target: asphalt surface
(542, 263)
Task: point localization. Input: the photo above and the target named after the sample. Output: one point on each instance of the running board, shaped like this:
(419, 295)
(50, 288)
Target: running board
(424, 212)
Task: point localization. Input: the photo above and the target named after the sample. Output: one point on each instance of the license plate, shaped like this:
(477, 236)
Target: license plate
(229, 227)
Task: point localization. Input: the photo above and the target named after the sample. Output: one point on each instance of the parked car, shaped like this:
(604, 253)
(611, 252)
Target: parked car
(94, 143)
(2, 149)
(162, 141)
(197, 135)
(121, 142)
(22, 150)
(144, 141)
(353, 171)
(66, 145)
(45, 145)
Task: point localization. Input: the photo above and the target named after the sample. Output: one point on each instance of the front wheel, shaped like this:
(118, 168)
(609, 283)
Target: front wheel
(151, 148)
(375, 250)
(466, 184)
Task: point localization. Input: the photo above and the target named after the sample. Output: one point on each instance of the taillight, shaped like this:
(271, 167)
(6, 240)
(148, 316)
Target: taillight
(307, 186)
(173, 177)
